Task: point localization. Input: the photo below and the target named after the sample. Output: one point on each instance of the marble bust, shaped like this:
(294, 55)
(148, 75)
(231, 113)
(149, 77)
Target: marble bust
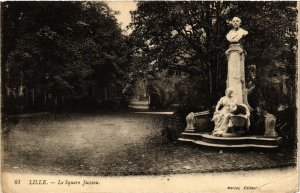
(237, 33)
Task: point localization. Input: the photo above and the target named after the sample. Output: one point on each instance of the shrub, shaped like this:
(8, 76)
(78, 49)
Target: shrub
(172, 128)
(176, 123)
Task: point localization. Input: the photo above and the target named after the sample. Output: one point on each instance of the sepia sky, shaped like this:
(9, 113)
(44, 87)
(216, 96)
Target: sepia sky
(124, 7)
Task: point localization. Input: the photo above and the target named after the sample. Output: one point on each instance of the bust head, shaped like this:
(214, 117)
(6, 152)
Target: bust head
(236, 22)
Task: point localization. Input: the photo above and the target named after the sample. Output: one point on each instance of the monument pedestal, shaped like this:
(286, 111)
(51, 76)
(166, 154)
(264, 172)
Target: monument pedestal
(197, 132)
(196, 122)
(235, 111)
(206, 139)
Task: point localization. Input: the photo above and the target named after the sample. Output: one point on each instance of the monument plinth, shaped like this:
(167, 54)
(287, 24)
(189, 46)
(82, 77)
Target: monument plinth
(236, 75)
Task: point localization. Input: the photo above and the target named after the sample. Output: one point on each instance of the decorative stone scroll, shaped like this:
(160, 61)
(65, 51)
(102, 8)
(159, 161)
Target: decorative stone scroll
(270, 123)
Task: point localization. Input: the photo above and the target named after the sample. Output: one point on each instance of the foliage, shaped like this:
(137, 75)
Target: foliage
(64, 48)
(178, 36)
(165, 84)
(172, 128)
(271, 47)
(271, 26)
(190, 37)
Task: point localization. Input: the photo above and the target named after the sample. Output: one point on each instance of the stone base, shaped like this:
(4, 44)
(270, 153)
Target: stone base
(231, 135)
(189, 130)
(206, 139)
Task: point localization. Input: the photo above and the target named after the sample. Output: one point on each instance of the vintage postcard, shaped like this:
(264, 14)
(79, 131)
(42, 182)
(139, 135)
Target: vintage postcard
(149, 96)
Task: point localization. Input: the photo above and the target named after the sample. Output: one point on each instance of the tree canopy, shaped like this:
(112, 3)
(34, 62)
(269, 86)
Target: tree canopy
(190, 37)
(62, 47)
(76, 49)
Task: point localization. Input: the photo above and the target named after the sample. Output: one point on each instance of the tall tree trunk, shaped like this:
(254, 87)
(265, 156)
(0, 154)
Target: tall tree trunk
(217, 79)
(45, 97)
(208, 21)
(4, 58)
(62, 100)
(105, 93)
(55, 101)
(93, 90)
(4, 87)
(27, 97)
(55, 105)
(33, 95)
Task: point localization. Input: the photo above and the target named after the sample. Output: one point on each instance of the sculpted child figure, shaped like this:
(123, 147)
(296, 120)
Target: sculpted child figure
(241, 110)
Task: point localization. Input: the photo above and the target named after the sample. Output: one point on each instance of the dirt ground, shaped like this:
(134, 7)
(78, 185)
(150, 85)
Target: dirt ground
(119, 144)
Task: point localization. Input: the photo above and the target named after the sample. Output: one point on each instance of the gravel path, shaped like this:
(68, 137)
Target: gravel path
(118, 144)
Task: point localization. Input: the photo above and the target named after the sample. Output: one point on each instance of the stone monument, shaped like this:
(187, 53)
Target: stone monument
(232, 113)
(226, 117)
(236, 59)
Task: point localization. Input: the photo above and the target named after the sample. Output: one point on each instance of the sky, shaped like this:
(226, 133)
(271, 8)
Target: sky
(124, 7)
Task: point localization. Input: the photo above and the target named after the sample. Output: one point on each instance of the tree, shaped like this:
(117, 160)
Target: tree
(183, 36)
(271, 47)
(66, 49)
(190, 37)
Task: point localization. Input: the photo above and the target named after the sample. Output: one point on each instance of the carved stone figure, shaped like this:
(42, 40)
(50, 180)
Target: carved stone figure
(190, 120)
(265, 122)
(270, 123)
(221, 116)
(240, 117)
(200, 119)
(237, 96)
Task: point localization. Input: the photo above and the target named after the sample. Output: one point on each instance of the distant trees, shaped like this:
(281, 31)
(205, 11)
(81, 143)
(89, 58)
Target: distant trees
(53, 51)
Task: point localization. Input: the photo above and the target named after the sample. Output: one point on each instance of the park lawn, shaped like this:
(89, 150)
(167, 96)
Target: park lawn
(119, 144)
